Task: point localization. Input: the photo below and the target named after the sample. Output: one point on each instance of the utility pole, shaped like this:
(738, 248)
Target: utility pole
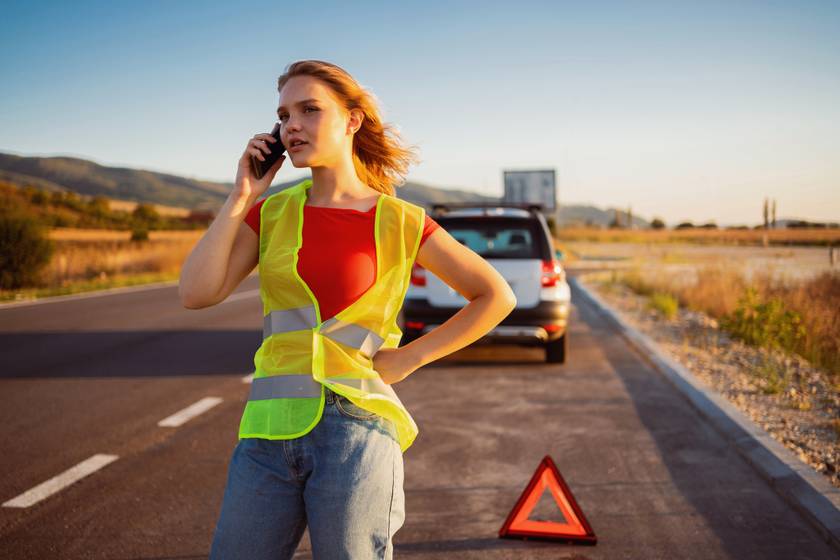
(765, 212)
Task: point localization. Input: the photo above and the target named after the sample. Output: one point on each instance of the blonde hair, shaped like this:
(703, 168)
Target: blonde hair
(380, 159)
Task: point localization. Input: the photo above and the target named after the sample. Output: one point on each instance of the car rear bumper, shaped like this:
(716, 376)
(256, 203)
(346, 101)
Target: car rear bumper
(535, 325)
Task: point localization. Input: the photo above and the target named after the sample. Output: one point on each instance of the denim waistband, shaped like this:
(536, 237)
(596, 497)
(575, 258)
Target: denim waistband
(330, 395)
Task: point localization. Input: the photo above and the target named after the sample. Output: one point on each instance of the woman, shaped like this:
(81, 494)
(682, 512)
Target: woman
(342, 475)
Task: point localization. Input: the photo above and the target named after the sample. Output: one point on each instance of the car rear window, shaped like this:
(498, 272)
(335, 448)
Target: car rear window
(496, 238)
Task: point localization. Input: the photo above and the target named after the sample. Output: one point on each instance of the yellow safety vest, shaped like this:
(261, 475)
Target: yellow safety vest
(300, 354)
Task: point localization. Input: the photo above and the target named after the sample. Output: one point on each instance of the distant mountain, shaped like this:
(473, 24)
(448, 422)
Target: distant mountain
(137, 185)
(588, 215)
(88, 178)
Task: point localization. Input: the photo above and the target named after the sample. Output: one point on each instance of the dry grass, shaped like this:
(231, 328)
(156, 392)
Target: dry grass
(129, 206)
(818, 304)
(95, 259)
(719, 288)
(794, 236)
(81, 234)
(82, 260)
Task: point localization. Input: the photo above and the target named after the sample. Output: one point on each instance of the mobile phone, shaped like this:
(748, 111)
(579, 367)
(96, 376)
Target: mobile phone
(277, 148)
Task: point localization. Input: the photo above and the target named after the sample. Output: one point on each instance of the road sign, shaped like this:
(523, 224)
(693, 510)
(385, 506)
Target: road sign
(537, 186)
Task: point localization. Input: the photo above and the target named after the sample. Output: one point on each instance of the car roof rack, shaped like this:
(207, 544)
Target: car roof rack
(486, 208)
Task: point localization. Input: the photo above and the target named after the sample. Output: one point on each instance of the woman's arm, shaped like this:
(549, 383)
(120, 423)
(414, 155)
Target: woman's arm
(222, 258)
(490, 297)
(229, 249)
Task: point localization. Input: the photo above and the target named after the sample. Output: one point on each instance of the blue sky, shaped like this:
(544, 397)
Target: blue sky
(687, 111)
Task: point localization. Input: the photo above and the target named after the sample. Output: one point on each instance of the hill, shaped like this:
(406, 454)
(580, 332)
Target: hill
(176, 195)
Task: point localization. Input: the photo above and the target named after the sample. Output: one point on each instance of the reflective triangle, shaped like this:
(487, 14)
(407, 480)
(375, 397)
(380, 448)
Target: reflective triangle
(548, 484)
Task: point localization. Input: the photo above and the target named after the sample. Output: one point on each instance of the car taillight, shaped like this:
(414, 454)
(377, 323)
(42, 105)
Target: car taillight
(552, 273)
(418, 275)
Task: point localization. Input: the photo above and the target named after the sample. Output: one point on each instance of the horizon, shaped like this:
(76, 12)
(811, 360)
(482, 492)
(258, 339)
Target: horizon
(669, 223)
(687, 113)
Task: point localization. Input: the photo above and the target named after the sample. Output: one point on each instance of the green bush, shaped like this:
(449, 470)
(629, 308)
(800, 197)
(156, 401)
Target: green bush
(145, 216)
(633, 280)
(24, 251)
(775, 379)
(666, 304)
(766, 324)
(98, 206)
(139, 234)
(657, 223)
(39, 198)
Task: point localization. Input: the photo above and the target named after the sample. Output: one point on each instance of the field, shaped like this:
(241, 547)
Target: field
(783, 262)
(781, 236)
(724, 280)
(95, 259)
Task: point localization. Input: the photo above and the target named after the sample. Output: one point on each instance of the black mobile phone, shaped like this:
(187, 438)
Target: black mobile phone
(277, 148)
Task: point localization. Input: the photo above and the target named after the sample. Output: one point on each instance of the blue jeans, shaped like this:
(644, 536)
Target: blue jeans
(344, 479)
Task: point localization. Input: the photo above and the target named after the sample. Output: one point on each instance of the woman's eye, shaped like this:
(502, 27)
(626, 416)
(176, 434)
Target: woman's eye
(308, 107)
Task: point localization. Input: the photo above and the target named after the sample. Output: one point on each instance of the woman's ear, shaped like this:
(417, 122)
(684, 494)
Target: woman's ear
(355, 122)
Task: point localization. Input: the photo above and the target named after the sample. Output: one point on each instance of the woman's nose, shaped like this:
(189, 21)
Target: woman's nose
(291, 125)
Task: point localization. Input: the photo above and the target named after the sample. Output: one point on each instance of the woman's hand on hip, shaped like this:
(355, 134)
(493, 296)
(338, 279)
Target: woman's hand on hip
(394, 364)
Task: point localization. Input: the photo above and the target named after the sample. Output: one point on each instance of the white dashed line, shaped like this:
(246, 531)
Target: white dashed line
(190, 412)
(96, 462)
(58, 482)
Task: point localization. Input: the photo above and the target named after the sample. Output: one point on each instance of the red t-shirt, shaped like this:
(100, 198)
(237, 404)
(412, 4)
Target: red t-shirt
(337, 267)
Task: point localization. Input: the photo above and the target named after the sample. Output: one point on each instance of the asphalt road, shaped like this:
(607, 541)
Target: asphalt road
(95, 376)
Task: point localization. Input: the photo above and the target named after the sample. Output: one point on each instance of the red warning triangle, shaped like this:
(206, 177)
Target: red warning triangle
(574, 526)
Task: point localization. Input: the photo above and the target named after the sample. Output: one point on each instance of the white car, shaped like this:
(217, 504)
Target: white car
(518, 243)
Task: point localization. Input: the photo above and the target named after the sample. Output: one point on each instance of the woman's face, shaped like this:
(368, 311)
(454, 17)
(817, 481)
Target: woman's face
(309, 111)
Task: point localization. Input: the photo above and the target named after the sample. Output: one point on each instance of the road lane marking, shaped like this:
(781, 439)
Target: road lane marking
(109, 292)
(248, 378)
(190, 412)
(58, 482)
(92, 294)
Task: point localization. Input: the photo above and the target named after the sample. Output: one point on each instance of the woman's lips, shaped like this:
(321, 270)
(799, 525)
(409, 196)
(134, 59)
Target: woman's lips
(298, 147)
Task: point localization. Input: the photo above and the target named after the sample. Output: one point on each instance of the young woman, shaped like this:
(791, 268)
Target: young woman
(343, 477)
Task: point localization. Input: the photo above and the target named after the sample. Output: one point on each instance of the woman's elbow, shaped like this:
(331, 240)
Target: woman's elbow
(506, 297)
(188, 303)
(510, 297)
(499, 291)
(189, 300)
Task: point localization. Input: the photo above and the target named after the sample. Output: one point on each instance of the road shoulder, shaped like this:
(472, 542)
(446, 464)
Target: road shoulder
(805, 490)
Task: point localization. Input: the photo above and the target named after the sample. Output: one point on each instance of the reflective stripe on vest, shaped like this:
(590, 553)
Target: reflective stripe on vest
(291, 386)
(285, 320)
(351, 334)
(302, 318)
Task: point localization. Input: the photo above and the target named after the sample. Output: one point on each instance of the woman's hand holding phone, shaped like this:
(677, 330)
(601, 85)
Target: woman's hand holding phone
(259, 148)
